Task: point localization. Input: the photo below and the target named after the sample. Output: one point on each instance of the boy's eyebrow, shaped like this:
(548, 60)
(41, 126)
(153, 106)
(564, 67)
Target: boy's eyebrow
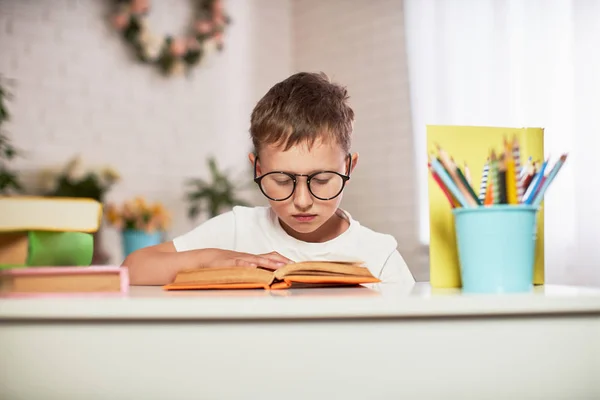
(313, 171)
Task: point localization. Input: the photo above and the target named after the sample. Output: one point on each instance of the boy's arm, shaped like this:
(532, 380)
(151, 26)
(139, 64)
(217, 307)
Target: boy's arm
(208, 245)
(158, 265)
(395, 270)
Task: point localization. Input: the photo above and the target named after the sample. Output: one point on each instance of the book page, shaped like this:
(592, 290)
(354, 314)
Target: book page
(324, 268)
(224, 275)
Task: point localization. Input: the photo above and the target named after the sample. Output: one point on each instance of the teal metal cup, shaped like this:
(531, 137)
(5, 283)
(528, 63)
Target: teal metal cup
(496, 248)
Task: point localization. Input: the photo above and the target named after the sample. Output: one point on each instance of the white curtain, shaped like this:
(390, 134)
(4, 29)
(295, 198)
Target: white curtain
(518, 63)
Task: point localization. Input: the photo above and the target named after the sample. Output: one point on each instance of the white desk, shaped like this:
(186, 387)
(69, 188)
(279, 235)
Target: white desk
(379, 343)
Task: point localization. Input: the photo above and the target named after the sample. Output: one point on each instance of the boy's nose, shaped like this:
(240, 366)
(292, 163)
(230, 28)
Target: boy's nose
(303, 200)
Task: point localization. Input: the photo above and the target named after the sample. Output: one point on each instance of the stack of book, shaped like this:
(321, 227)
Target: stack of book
(46, 246)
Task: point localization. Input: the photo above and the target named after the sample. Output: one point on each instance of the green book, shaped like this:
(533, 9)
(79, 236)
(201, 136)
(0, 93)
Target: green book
(43, 248)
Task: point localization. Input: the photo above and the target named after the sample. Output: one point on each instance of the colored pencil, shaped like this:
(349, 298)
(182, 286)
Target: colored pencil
(551, 176)
(450, 167)
(470, 190)
(502, 180)
(489, 195)
(448, 182)
(528, 196)
(484, 181)
(511, 176)
(494, 178)
(516, 154)
(453, 202)
(468, 174)
(527, 178)
(525, 168)
(539, 186)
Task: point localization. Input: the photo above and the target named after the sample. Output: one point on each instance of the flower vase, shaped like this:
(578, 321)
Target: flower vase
(135, 239)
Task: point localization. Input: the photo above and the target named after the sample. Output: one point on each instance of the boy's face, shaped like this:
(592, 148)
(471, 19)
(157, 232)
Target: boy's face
(303, 212)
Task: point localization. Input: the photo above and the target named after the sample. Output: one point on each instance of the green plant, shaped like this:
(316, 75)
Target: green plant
(214, 197)
(9, 181)
(77, 180)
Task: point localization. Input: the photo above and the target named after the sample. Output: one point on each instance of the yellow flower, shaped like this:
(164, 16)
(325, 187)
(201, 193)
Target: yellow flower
(157, 209)
(112, 214)
(118, 223)
(129, 210)
(140, 204)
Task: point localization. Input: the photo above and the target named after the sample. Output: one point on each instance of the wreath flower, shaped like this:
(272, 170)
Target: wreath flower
(173, 55)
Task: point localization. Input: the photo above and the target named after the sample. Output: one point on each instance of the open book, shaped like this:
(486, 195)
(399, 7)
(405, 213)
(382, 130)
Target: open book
(301, 274)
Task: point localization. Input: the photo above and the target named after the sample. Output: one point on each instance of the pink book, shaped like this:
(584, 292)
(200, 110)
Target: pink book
(64, 281)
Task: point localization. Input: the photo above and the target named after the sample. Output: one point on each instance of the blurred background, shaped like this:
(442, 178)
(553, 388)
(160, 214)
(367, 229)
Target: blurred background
(100, 106)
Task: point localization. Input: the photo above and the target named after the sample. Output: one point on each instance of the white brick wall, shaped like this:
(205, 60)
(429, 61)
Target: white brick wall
(78, 91)
(360, 43)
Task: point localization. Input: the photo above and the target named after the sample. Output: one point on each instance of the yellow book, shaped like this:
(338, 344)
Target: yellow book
(54, 214)
(471, 145)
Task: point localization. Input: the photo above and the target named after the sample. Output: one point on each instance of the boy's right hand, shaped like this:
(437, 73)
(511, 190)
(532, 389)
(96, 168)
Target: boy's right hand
(229, 258)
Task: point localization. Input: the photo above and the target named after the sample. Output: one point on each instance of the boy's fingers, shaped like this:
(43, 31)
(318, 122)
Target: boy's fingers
(266, 262)
(277, 257)
(240, 262)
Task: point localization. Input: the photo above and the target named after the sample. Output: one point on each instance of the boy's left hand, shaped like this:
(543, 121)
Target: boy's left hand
(275, 256)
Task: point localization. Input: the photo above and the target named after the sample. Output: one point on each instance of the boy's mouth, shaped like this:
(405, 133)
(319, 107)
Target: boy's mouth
(304, 217)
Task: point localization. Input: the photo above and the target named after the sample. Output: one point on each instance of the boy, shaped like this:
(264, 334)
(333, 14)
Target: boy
(301, 131)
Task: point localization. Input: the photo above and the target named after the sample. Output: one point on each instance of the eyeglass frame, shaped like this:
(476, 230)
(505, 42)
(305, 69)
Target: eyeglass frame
(293, 177)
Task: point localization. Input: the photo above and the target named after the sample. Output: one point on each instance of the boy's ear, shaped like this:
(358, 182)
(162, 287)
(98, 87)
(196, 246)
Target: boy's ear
(354, 158)
(252, 158)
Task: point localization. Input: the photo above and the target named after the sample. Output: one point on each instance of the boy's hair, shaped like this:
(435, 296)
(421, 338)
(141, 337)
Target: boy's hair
(302, 108)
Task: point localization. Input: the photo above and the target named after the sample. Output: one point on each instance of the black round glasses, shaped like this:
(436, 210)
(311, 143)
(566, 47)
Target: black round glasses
(323, 185)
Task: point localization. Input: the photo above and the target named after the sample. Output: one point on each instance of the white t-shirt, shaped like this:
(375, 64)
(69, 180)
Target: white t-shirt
(256, 230)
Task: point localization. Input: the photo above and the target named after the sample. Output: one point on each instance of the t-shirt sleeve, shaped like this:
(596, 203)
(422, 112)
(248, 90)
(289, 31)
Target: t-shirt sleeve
(395, 270)
(217, 232)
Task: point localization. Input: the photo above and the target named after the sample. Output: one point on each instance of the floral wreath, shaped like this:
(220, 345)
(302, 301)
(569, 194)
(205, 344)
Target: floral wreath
(172, 55)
